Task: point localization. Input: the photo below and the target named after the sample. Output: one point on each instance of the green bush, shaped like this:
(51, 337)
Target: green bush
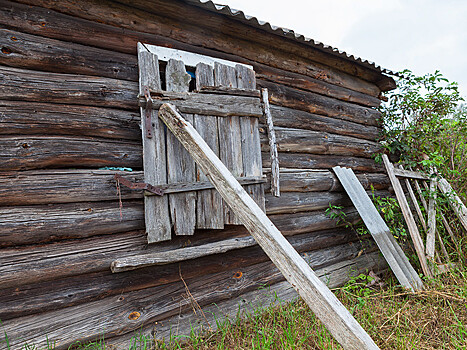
(425, 124)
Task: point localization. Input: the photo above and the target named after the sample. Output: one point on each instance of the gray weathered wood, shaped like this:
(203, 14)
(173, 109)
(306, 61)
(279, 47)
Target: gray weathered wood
(321, 300)
(410, 174)
(180, 165)
(400, 265)
(454, 200)
(251, 148)
(209, 206)
(408, 216)
(143, 260)
(156, 209)
(431, 234)
(275, 185)
(229, 90)
(230, 137)
(415, 202)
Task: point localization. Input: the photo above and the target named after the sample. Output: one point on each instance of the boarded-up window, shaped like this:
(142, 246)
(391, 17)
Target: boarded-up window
(219, 98)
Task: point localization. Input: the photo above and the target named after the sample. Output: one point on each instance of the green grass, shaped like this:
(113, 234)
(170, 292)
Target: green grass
(435, 318)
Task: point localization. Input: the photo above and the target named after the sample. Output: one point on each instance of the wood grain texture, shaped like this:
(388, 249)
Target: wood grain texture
(230, 136)
(39, 152)
(49, 87)
(455, 202)
(318, 142)
(154, 303)
(184, 324)
(180, 165)
(313, 103)
(318, 161)
(404, 272)
(38, 224)
(408, 216)
(53, 24)
(297, 119)
(79, 289)
(251, 149)
(30, 118)
(34, 52)
(431, 223)
(209, 205)
(271, 134)
(319, 298)
(156, 209)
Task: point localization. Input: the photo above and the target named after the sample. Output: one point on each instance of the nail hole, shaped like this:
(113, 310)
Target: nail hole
(25, 145)
(14, 38)
(6, 50)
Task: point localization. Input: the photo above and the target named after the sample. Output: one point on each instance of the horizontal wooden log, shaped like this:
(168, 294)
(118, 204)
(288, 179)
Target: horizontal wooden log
(27, 85)
(26, 118)
(313, 103)
(40, 21)
(183, 30)
(307, 141)
(35, 152)
(23, 299)
(85, 322)
(292, 224)
(296, 180)
(86, 185)
(315, 161)
(303, 82)
(293, 118)
(295, 202)
(36, 52)
(248, 303)
(32, 225)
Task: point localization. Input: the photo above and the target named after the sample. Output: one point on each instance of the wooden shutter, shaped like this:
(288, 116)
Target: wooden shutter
(224, 109)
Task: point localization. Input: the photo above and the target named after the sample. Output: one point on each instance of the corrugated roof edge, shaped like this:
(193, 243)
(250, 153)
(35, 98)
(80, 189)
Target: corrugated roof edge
(253, 21)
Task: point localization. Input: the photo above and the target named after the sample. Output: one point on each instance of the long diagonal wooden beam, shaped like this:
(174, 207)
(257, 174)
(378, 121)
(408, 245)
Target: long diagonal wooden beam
(337, 319)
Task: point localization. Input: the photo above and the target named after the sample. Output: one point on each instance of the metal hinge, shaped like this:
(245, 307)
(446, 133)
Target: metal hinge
(138, 185)
(148, 111)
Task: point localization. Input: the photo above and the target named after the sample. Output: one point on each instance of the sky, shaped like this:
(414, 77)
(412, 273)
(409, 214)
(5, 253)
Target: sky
(421, 35)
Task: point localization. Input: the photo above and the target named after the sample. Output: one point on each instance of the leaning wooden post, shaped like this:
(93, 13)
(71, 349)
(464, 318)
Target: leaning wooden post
(408, 216)
(319, 298)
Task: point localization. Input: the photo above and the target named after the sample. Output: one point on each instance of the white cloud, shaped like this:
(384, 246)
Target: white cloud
(422, 35)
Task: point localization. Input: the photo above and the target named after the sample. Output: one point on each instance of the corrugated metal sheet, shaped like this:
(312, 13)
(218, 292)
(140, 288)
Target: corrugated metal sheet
(288, 33)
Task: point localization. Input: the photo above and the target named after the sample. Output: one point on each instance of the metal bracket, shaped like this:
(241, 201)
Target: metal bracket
(138, 185)
(148, 111)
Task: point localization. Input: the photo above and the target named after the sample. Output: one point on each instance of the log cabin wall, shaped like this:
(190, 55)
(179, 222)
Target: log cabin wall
(68, 107)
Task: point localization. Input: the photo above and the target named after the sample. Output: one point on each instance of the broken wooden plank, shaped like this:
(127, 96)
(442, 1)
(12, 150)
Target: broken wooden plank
(180, 165)
(209, 206)
(156, 209)
(275, 185)
(408, 216)
(399, 263)
(319, 298)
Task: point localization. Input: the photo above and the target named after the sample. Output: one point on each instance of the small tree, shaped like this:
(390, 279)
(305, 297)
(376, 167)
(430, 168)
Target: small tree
(424, 118)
